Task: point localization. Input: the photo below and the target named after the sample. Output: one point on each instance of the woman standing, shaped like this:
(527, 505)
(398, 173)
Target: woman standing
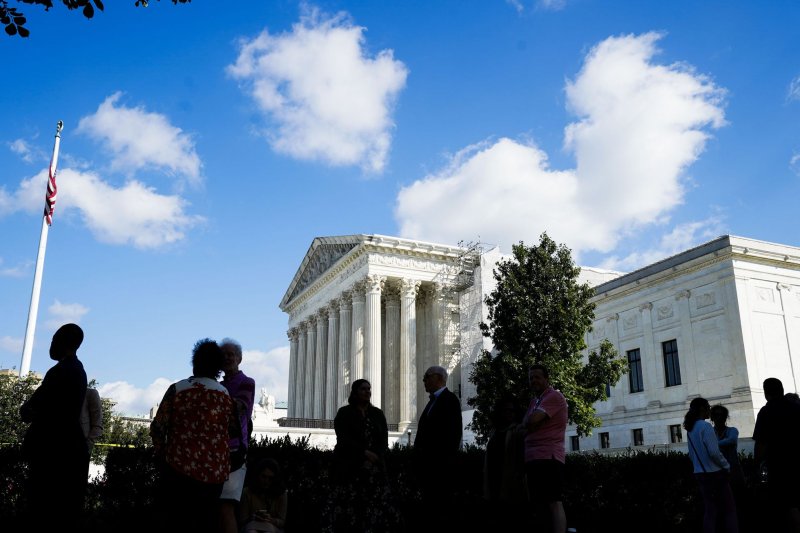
(360, 497)
(711, 469)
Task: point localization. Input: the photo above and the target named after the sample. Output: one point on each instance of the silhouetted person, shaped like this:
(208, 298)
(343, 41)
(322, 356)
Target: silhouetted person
(729, 446)
(777, 434)
(190, 435)
(711, 469)
(546, 425)
(264, 500)
(360, 496)
(54, 445)
(242, 390)
(436, 445)
(504, 467)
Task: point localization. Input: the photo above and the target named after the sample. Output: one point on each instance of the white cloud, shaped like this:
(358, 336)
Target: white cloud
(61, 314)
(132, 214)
(329, 99)
(794, 163)
(141, 139)
(270, 370)
(794, 89)
(552, 5)
(22, 149)
(11, 344)
(681, 238)
(133, 401)
(640, 125)
(18, 271)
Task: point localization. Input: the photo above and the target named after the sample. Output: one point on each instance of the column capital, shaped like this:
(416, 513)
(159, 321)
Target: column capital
(333, 307)
(293, 334)
(683, 294)
(613, 317)
(391, 291)
(409, 287)
(374, 283)
(647, 306)
(321, 314)
(357, 290)
(311, 322)
(346, 301)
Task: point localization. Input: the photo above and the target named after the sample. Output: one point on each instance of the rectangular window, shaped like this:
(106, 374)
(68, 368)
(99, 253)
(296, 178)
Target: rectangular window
(575, 443)
(608, 390)
(675, 434)
(605, 441)
(638, 437)
(672, 367)
(635, 370)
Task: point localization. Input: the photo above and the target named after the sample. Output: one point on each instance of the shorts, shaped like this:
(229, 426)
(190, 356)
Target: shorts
(545, 479)
(232, 489)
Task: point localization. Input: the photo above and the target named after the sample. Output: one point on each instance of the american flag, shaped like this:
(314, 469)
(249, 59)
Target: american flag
(50, 197)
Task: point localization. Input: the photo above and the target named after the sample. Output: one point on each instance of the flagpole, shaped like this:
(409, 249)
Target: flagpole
(47, 219)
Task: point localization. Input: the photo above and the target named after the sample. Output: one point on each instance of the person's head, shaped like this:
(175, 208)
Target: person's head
(699, 409)
(207, 359)
(232, 354)
(773, 389)
(66, 341)
(719, 415)
(434, 379)
(360, 392)
(505, 411)
(538, 378)
(266, 476)
(792, 397)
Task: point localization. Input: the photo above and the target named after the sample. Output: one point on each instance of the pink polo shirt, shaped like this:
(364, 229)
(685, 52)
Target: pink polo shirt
(547, 442)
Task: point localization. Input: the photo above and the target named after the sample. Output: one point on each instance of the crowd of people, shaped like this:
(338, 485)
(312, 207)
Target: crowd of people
(201, 431)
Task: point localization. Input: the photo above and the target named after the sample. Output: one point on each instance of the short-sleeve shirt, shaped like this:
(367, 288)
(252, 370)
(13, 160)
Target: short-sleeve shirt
(547, 441)
(241, 387)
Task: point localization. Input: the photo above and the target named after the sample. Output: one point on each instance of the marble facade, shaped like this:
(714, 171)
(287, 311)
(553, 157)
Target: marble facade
(385, 308)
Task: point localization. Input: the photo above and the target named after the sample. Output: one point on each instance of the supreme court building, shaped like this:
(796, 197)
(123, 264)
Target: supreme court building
(712, 321)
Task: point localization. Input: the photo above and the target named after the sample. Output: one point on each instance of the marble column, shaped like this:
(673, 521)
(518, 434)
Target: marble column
(408, 353)
(391, 354)
(311, 346)
(357, 334)
(372, 337)
(345, 332)
(438, 326)
(424, 359)
(332, 362)
(300, 390)
(321, 364)
(292, 407)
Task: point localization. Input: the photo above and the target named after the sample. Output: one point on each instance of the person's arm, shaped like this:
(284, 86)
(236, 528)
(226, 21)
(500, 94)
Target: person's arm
(94, 403)
(41, 397)
(454, 423)
(281, 508)
(709, 440)
(159, 427)
(731, 437)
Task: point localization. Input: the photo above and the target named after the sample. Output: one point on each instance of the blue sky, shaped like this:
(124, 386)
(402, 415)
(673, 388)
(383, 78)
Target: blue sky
(206, 145)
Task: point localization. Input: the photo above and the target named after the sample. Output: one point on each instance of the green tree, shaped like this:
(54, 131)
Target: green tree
(14, 391)
(14, 20)
(539, 313)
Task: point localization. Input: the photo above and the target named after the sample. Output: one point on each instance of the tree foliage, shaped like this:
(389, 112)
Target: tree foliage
(14, 391)
(14, 20)
(539, 313)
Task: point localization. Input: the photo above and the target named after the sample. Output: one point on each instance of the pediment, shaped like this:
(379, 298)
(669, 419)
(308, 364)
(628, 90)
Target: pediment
(323, 253)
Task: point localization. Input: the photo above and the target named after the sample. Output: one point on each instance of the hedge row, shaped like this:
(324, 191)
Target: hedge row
(646, 490)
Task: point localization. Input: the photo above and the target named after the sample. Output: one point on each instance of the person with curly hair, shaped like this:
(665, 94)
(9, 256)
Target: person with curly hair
(190, 435)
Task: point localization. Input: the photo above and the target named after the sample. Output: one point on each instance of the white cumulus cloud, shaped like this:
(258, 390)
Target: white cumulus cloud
(61, 313)
(141, 139)
(327, 97)
(794, 89)
(679, 239)
(11, 344)
(130, 400)
(269, 369)
(131, 214)
(17, 271)
(639, 126)
(22, 149)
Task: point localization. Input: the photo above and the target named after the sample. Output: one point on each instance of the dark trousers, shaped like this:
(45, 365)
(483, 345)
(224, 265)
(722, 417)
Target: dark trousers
(185, 504)
(718, 502)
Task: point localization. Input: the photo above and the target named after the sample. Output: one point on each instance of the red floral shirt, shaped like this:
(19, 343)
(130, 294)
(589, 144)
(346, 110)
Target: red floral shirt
(192, 427)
